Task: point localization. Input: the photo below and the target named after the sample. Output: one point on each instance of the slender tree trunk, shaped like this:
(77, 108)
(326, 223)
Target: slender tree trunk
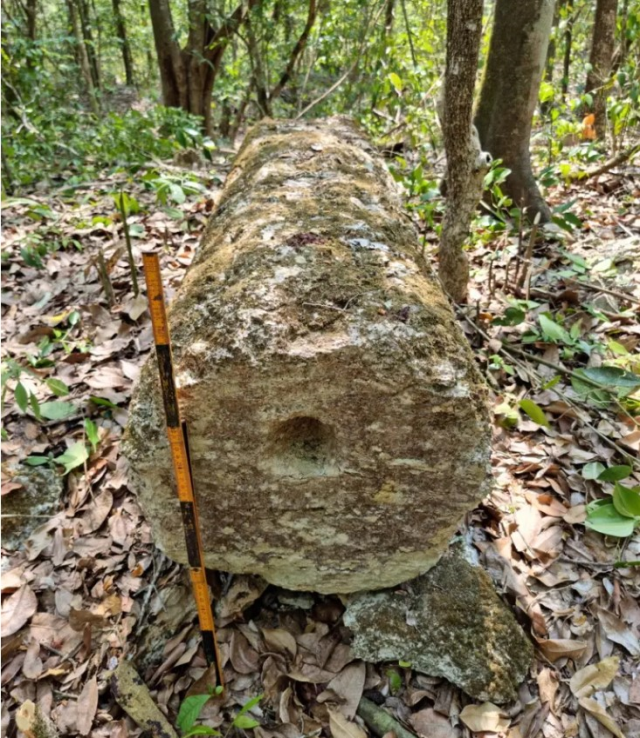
(551, 49)
(465, 166)
(87, 35)
(601, 60)
(83, 57)
(509, 95)
(297, 50)
(568, 43)
(121, 30)
(31, 10)
(621, 56)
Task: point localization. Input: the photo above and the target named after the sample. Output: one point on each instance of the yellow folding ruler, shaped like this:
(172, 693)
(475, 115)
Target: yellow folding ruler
(178, 441)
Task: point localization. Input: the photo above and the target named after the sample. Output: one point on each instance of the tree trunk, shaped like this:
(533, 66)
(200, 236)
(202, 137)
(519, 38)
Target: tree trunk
(465, 172)
(297, 50)
(510, 92)
(568, 42)
(87, 35)
(170, 63)
(121, 30)
(31, 10)
(601, 60)
(188, 75)
(83, 57)
(551, 49)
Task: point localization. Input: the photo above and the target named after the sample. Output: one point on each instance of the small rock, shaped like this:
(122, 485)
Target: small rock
(449, 623)
(24, 509)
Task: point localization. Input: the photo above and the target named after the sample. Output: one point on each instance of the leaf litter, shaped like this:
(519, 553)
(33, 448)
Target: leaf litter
(88, 590)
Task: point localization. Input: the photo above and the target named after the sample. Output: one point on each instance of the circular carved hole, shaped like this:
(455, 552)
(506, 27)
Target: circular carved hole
(303, 447)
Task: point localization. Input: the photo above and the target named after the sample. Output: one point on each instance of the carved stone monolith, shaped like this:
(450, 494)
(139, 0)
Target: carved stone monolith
(337, 424)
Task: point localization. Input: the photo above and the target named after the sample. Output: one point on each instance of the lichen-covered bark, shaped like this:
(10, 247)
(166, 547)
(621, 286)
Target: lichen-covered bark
(465, 166)
(601, 60)
(336, 418)
(509, 94)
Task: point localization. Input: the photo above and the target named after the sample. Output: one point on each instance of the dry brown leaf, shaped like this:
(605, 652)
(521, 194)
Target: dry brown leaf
(32, 666)
(485, 718)
(97, 512)
(619, 632)
(594, 677)
(244, 590)
(601, 715)
(558, 648)
(87, 706)
(547, 686)
(244, 659)
(280, 640)
(340, 727)
(348, 686)
(430, 724)
(17, 610)
(11, 580)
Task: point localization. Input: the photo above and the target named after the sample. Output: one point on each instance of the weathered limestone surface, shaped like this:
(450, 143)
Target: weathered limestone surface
(448, 623)
(336, 418)
(24, 509)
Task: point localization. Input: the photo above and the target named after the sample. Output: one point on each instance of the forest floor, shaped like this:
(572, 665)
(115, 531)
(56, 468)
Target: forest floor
(88, 588)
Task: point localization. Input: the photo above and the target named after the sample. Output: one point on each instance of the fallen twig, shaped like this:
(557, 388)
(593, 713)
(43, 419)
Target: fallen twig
(607, 166)
(132, 694)
(379, 720)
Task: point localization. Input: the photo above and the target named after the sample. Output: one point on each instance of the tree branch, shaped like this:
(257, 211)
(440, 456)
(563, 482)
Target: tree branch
(607, 166)
(297, 50)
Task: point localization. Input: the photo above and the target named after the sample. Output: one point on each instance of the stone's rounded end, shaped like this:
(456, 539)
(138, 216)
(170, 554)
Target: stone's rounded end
(302, 447)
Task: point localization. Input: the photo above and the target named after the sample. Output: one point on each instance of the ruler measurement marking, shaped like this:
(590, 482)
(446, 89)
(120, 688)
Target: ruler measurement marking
(178, 442)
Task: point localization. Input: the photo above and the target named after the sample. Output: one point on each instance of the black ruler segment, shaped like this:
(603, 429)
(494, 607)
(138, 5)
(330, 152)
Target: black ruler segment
(191, 533)
(169, 396)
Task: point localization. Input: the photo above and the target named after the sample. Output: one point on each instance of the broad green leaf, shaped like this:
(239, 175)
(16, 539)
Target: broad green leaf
(395, 681)
(612, 376)
(57, 410)
(405, 664)
(592, 470)
(73, 457)
(177, 193)
(245, 722)
(626, 501)
(615, 473)
(535, 412)
(512, 316)
(617, 348)
(396, 81)
(251, 703)
(201, 730)
(58, 387)
(190, 710)
(552, 331)
(91, 429)
(21, 397)
(35, 407)
(37, 460)
(607, 520)
(102, 401)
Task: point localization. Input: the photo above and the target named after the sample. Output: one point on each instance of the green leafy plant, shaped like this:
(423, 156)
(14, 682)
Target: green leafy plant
(618, 516)
(192, 707)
